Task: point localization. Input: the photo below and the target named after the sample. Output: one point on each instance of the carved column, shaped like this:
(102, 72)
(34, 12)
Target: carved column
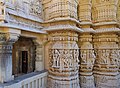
(6, 41)
(106, 63)
(63, 61)
(106, 43)
(87, 56)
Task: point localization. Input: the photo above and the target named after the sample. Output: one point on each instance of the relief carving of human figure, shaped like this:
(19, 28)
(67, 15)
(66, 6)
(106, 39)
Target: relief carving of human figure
(66, 59)
(83, 56)
(91, 58)
(56, 58)
(114, 55)
(103, 57)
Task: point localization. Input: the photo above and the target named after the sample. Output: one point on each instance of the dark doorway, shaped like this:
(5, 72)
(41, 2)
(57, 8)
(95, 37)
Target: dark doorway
(24, 61)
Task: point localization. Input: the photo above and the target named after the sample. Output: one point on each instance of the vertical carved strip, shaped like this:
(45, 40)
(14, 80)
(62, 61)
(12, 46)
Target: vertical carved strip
(87, 58)
(84, 10)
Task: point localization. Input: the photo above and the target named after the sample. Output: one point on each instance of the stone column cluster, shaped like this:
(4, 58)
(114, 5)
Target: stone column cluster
(98, 43)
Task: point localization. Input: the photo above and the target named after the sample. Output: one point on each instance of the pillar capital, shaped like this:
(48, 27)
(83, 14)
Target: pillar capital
(6, 41)
(8, 37)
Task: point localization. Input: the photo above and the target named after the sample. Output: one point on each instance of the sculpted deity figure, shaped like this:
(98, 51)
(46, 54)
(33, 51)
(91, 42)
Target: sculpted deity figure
(83, 56)
(91, 58)
(55, 58)
(103, 57)
(114, 57)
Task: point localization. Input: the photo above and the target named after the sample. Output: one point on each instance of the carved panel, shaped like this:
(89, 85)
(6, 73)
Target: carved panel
(64, 59)
(31, 7)
(84, 10)
(104, 10)
(61, 8)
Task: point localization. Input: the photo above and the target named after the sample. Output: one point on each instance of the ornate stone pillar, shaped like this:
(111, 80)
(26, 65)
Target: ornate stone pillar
(106, 43)
(63, 61)
(6, 41)
(87, 58)
(106, 64)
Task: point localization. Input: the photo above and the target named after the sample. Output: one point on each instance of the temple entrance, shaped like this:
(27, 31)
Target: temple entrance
(23, 56)
(24, 61)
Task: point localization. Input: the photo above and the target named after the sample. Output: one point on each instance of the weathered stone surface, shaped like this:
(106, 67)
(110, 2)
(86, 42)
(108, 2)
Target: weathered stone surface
(77, 41)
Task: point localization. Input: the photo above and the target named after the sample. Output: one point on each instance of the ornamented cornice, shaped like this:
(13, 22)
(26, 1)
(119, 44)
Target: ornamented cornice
(63, 36)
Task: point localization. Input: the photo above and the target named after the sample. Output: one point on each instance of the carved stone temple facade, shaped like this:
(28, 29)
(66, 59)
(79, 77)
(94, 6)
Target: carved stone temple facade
(59, 43)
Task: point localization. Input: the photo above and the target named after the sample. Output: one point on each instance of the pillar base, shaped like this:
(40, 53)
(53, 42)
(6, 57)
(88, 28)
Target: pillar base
(87, 82)
(103, 81)
(55, 83)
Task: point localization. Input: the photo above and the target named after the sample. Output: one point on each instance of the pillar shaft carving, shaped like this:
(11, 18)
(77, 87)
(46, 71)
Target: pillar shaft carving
(104, 10)
(107, 62)
(87, 58)
(6, 41)
(60, 8)
(63, 61)
(118, 13)
(84, 10)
